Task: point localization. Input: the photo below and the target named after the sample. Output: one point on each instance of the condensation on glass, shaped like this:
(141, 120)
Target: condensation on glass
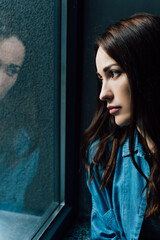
(29, 115)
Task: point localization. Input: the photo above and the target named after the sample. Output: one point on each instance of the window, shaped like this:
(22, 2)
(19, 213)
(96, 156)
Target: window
(33, 113)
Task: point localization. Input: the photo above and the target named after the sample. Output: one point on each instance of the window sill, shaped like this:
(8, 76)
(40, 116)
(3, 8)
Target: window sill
(17, 225)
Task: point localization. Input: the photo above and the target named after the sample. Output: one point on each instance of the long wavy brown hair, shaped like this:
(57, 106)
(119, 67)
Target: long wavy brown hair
(134, 44)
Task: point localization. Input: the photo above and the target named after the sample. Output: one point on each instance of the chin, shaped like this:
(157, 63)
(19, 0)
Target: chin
(122, 123)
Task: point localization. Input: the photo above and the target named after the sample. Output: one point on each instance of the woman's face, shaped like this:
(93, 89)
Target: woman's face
(12, 53)
(115, 88)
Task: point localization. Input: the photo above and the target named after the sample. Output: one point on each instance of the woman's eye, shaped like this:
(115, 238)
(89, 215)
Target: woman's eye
(12, 71)
(115, 73)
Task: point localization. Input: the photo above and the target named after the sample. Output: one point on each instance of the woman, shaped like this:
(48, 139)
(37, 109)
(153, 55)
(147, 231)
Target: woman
(121, 147)
(19, 153)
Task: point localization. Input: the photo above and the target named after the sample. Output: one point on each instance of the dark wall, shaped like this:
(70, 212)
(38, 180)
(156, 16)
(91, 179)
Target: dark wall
(96, 16)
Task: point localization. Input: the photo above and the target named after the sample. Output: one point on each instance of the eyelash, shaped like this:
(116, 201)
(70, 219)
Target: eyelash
(114, 74)
(11, 72)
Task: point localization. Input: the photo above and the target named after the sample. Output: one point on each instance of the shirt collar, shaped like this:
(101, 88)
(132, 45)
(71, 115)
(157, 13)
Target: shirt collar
(138, 150)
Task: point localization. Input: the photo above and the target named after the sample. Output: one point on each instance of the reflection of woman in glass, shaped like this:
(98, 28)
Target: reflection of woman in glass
(121, 147)
(18, 151)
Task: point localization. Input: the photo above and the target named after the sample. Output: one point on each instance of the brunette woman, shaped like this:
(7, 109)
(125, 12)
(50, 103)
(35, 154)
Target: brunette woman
(121, 147)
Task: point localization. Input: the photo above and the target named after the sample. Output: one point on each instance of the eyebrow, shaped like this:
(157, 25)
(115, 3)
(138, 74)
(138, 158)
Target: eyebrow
(108, 67)
(105, 69)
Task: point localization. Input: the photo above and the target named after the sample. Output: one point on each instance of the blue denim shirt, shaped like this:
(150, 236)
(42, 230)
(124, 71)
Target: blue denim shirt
(118, 210)
(14, 180)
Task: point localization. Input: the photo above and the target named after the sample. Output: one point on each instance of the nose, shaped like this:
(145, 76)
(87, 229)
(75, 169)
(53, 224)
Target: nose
(106, 93)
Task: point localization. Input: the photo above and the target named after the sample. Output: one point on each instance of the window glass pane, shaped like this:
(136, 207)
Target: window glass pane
(29, 115)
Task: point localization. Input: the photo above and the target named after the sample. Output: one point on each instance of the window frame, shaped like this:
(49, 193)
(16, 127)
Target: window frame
(65, 214)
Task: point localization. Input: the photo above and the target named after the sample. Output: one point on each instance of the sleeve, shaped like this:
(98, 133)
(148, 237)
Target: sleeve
(103, 222)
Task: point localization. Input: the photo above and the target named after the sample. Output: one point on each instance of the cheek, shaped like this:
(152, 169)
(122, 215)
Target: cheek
(12, 81)
(126, 94)
(8, 84)
(127, 100)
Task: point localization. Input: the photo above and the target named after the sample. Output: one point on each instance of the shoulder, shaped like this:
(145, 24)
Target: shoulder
(94, 147)
(21, 141)
(18, 141)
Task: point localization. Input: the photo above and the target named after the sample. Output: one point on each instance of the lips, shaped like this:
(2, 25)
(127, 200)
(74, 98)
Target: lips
(113, 109)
